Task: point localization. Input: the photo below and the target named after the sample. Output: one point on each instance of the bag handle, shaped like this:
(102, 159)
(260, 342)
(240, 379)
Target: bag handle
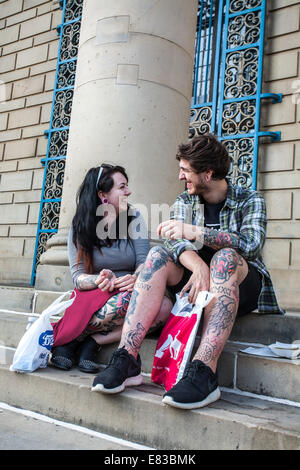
(58, 305)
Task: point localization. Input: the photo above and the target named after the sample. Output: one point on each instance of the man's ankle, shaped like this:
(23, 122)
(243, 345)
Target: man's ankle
(130, 351)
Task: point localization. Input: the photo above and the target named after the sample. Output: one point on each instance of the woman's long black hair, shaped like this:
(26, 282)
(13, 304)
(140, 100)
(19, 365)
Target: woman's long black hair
(85, 221)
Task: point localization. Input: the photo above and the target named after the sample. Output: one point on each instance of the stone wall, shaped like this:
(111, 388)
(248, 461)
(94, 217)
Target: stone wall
(279, 177)
(28, 55)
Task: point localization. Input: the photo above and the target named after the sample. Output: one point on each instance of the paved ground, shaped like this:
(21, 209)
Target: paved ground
(19, 432)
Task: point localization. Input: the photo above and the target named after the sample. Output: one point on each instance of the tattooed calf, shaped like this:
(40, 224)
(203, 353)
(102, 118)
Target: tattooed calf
(136, 336)
(131, 306)
(222, 315)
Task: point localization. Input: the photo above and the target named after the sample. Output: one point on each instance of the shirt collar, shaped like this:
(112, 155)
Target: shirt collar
(231, 200)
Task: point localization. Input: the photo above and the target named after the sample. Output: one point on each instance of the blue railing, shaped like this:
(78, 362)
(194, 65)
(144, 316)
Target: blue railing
(232, 72)
(58, 133)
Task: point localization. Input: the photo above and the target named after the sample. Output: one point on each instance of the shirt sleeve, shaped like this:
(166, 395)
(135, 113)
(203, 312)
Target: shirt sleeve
(182, 212)
(252, 234)
(76, 268)
(140, 239)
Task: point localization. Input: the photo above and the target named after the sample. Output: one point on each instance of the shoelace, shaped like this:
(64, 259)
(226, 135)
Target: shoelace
(192, 369)
(118, 357)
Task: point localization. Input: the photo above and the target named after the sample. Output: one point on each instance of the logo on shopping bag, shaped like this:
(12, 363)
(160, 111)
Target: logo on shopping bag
(173, 345)
(46, 339)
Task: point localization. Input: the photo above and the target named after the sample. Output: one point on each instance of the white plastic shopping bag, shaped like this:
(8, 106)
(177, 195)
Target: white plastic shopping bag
(35, 345)
(176, 342)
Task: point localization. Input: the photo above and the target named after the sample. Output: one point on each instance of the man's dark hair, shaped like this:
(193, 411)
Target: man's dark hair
(205, 153)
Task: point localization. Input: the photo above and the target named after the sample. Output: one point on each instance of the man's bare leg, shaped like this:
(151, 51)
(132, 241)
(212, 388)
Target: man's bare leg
(228, 269)
(158, 271)
(199, 385)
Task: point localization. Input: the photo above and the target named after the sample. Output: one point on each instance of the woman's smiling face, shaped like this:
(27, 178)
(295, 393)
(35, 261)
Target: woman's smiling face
(119, 193)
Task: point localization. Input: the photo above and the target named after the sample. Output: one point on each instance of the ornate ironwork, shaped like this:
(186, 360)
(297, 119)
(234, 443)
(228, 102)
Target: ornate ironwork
(227, 80)
(54, 179)
(238, 117)
(241, 73)
(241, 153)
(200, 121)
(58, 133)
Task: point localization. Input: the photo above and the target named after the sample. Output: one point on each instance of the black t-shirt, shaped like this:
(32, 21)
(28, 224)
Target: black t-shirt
(211, 221)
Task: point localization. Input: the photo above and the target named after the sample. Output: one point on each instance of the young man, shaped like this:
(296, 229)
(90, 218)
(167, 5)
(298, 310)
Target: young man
(214, 242)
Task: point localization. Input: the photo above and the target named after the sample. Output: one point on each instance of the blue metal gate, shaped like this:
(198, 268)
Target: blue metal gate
(58, 133)
(227, 81)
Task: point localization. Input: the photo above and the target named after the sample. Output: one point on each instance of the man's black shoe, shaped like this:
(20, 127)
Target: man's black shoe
(122, 371)
(197, 388)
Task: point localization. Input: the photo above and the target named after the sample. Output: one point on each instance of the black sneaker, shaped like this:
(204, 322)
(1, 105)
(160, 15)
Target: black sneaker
(122, 371)
(197, 388)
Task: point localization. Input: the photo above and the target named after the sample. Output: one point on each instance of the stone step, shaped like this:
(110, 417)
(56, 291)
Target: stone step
(233, 422)
(265, 376)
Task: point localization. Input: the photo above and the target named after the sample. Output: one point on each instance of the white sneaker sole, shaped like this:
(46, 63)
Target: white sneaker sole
(130, 382)
(213, 396)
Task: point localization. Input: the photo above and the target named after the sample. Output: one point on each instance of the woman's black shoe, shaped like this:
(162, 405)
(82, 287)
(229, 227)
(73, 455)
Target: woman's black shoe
(87, 356)
(62, 356)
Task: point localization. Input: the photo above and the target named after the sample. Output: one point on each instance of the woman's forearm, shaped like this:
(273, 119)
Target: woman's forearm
(87, 281)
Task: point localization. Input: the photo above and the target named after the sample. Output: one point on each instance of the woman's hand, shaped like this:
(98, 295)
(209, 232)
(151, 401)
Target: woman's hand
(174, 229)
(125, 283)
(106, 280)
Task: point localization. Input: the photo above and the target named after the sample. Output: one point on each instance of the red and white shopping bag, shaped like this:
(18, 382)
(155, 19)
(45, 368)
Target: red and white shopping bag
(175, 344)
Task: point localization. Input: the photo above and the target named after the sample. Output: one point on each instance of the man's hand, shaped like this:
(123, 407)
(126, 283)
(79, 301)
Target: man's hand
(174, 229)
(198, 281)
(125, 283)
(106, 280)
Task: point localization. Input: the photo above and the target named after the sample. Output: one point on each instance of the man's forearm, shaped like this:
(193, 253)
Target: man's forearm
(217, 239)
(190, 259)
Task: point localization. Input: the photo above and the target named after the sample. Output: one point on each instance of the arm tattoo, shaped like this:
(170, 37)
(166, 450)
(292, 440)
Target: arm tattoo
(86, 281)
(216, 239)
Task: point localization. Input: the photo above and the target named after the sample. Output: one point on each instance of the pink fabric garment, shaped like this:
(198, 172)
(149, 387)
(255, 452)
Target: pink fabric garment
(77, 317)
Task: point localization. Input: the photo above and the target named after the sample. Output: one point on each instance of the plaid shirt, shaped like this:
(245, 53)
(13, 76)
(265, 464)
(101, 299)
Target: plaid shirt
(243, 214)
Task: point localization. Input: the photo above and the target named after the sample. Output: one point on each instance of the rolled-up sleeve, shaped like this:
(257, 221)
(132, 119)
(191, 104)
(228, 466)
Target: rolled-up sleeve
(75, 268)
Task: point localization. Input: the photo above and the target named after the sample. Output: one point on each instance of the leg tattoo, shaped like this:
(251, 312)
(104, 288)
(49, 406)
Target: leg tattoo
(224, 265)
(158, 257)
(135, 337)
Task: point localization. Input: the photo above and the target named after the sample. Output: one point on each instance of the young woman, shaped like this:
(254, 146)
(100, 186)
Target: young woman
(104, 255)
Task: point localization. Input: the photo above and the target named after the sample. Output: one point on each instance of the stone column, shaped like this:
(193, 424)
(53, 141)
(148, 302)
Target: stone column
(130, 107)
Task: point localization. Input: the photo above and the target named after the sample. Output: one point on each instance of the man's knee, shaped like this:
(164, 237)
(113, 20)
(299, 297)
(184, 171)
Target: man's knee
(157, 259)
(224, 264)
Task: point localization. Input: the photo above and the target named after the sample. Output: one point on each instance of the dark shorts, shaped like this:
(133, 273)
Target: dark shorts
(249, 289)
